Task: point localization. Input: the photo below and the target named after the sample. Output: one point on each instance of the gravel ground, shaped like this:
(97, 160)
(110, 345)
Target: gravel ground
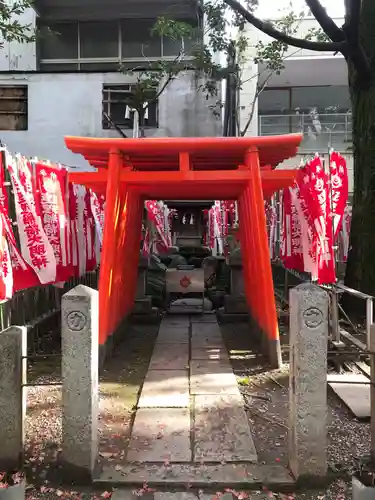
(266, 393)
(120, 383)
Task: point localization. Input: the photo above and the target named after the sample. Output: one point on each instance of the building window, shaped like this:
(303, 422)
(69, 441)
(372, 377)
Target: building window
(103, 45)
(99, 40)
(59, 41)
(13, 107)
(137, 40)
(116, 107)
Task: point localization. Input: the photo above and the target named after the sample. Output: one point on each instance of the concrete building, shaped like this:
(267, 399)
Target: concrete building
(310, 95)
(61, 84)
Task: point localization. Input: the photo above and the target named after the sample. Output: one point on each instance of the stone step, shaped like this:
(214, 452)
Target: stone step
(241, 475)
(128, 494)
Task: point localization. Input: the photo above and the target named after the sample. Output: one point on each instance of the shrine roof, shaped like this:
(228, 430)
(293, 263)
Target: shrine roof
(206, 153)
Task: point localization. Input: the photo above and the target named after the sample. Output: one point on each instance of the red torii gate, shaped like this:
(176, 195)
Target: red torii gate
(131, 171)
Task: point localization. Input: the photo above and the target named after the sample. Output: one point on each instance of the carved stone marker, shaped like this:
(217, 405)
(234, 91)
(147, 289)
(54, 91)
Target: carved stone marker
(235, 303)
(308, 381)
(237, 287)
(142, 276)
(13, 348)
(80, 391)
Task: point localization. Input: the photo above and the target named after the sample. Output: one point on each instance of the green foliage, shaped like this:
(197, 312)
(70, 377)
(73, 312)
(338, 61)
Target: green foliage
(11, 29)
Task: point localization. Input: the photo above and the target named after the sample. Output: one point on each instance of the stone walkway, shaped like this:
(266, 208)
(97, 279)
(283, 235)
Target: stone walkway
(190, 426)
(190, 408)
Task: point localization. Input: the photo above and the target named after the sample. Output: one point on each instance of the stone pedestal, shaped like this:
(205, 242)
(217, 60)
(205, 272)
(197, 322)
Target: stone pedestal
(142, 276)
(143, 311)
(308, 382)
(13, 348)
(235, 305)
(80, 378)
(237, 287)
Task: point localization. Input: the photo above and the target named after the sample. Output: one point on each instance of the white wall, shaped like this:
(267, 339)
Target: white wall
(71, 104)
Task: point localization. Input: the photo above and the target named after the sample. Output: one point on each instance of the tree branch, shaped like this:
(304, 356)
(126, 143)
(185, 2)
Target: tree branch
(259, 90)
(269, 30)
(327, 24)
(114, 125)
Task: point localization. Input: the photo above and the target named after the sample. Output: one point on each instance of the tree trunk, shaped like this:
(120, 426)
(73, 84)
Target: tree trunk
(360, 273)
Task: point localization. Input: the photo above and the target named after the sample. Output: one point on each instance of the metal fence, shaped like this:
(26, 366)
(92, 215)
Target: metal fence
(307, 123)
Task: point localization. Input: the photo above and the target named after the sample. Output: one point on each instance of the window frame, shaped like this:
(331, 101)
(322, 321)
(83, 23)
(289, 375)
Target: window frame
(24, 98)
(106, 107)
(81, 61)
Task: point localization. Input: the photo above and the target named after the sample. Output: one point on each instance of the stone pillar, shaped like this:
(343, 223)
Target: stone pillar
(142, 276)
(235, 302)
(80, 378)
(142, 302)
(237, 286)
(308, 382)
(13, 349)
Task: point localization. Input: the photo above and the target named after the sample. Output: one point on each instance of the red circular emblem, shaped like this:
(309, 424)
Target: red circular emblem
(185, 282)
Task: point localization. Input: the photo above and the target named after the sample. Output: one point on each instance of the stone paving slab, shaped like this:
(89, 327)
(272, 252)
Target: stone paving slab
(212, 377)
(170, 357)
(355, 396)
(204, 318)
(211, 330)
(206, 366)
(128, 494)
(180, 321)
(245, 475)
(212, 496)
(221, 430)
(210, 353)
(173, 334)
(160, 435)
(203, 342)
(178, 495)
(165, 389)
